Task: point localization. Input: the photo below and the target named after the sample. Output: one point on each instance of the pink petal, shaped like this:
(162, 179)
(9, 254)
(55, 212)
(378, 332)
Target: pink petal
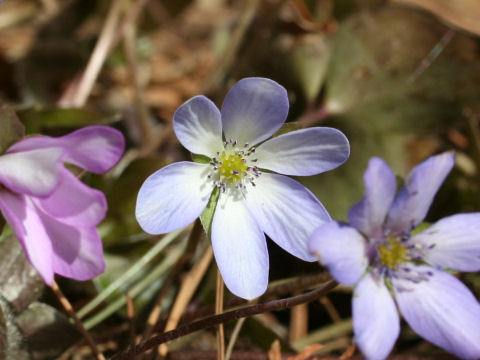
(33, 172)
(27, 225)
(94, 148)
(74, 203)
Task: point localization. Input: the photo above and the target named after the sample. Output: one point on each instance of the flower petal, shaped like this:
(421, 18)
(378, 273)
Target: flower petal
(94, 148)
(253, 110)
(240, 249)
(454, 242)
(369, 214)
(376, 323)
(414, 198)
(74, 203)
(287, 212)
(198, 126)
(342, 250)
(31, 172)
(77, 251)
(50, 245)
(173, 197)
(442, 310)
(22, 216)
(304, 152)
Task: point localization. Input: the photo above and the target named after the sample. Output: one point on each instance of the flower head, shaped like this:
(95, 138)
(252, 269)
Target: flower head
(52, 213)
(405, 266)
(253, 199)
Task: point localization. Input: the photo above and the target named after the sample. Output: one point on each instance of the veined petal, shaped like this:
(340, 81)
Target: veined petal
(287, 212)
(173, 197)
(94, 148)
(240, 249)
(33, 172)
(74, 203)
(253, 110)
(198, 126)
(22, 215)
(304, 152)
(369, 214)
(416, 195)
(342, 250)
(454, 242)
(442, 310)
(376, 323)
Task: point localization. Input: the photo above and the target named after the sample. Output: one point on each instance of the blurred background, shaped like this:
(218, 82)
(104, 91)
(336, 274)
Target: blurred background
(400, 78)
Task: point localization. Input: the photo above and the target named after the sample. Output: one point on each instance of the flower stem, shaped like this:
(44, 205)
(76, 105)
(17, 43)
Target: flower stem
(69, 309)
(275, 305)
(218, 310)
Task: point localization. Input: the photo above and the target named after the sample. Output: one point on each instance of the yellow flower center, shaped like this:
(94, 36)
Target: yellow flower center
(393, 253)
(233, 167)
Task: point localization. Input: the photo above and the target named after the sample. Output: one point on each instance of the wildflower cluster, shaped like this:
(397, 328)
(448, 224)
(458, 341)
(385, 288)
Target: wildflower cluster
(380, 251)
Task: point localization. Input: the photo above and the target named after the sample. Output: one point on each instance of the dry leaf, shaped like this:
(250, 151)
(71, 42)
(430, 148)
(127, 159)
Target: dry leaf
(464, 14)
(306, 352)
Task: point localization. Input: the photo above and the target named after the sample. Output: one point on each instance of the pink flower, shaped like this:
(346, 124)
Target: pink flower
(53, 214)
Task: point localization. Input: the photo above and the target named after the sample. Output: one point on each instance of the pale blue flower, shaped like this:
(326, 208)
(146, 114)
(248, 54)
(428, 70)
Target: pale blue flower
(254, 200)
(389, 265)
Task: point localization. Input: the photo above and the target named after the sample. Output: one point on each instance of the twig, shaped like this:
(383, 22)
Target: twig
(218, 310)
(298, 322)
(275, 305)
(234, 43)
(289, 286)
(189, 285)
(131, 318)
(193, 240)
(69, 309)
(332, 312)
(99, 55)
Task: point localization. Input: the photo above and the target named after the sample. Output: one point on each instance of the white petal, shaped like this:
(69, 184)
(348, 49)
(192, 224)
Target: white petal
(253, 110)
(287, 212)
(198, 126)
(34, 172)
(240, 249)
(376, 323)
(455, 242)
(173, 197)
(342, 250)
(443, 311)
(304, 152)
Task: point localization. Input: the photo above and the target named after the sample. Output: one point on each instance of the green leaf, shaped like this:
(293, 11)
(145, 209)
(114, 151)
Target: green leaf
(207, 215)
(11, 129)
(309, 57)
(202, 159)
(37, 119)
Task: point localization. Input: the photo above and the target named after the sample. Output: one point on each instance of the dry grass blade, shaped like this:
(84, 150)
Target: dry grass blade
(189, 285)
